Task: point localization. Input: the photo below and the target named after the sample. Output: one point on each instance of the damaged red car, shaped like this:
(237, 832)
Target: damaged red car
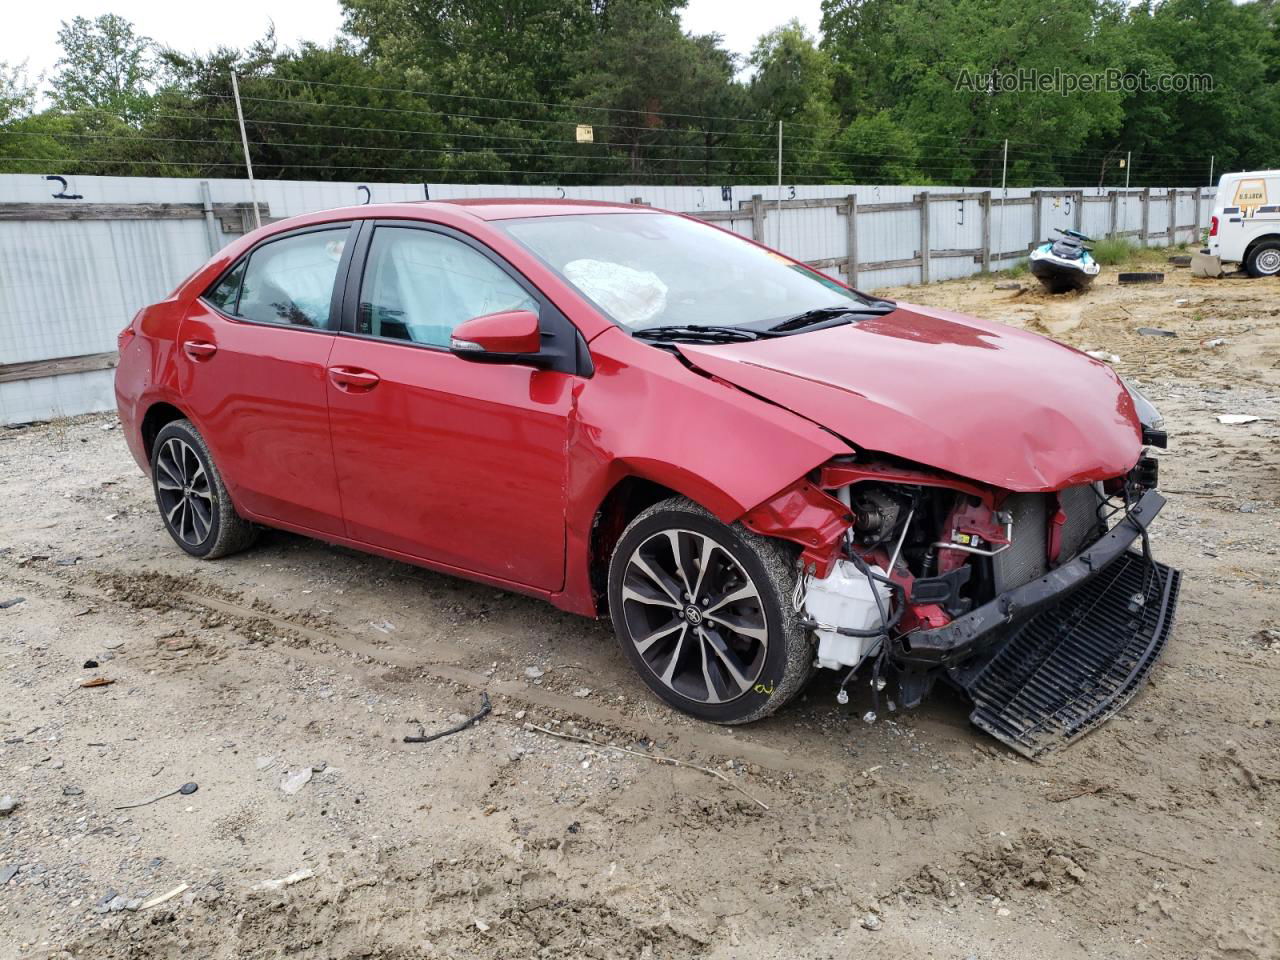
(754, 470)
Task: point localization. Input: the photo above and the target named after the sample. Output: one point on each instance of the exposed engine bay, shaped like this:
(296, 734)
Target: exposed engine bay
(936, 577)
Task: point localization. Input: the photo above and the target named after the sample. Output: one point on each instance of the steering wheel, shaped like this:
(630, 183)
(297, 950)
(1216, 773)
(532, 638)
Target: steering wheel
(1074, 233)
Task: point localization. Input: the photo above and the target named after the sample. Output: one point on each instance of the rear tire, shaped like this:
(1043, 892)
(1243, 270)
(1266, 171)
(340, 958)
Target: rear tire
(1264, 259)
(193, 501)
(703, 611)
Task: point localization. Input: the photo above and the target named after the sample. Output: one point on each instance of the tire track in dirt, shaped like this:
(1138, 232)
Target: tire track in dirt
(432, 660)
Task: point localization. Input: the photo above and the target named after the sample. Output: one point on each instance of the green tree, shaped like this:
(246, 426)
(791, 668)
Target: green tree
(792, 83)
(17, 93)
(105, 66)
(666, 100)
(474, 90)
(1173, 134)
(29, 141)
(919, 54)
(875, 148)
(492, 74)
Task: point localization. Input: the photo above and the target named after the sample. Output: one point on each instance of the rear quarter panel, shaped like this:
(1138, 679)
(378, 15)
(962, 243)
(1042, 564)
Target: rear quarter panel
(146, 373)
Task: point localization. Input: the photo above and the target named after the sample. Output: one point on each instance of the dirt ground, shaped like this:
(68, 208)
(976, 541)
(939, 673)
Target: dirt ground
(916, 836)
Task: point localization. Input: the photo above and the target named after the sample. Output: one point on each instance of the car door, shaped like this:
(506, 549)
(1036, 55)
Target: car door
(253, 359)
(456, 462)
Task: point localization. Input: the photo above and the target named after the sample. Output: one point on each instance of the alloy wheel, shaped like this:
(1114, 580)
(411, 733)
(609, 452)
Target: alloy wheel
(184, 492)
(695, 616)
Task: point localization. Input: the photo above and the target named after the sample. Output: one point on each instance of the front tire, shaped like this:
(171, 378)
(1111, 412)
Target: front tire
(191, 496)
(1264, 259)
(703, 611)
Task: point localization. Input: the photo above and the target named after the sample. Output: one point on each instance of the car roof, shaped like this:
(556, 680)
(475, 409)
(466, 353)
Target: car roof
(457, 212)
(510, 208)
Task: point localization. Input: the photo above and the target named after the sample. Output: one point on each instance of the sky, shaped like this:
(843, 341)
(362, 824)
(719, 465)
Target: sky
(30, 31)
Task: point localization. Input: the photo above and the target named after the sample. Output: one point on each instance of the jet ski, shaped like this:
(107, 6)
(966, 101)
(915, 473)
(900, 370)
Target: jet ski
(1064, 264)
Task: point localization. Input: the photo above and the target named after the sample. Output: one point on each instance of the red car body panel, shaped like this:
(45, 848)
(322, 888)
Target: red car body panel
(453, 461)
(981, 400)
(147, 373)
(499, 471)
(261, 403)
(645, 415)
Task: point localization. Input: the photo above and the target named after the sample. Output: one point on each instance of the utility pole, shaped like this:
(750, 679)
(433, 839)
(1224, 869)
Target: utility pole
(1004, 191)
(778, 207)
(1211, 159)
(244, 142)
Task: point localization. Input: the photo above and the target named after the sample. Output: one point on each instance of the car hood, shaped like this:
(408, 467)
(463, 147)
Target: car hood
(981, 400)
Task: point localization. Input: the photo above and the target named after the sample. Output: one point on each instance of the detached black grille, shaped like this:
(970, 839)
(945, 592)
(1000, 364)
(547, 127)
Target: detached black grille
(1073, 666)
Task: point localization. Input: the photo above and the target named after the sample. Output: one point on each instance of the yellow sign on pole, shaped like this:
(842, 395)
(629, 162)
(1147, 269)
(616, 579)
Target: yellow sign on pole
(585, 133)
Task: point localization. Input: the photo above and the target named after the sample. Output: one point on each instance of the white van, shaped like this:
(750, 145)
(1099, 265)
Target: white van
(1245, 228)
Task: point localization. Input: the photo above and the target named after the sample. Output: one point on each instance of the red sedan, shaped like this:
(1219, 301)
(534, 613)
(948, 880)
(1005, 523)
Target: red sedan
(754, 470)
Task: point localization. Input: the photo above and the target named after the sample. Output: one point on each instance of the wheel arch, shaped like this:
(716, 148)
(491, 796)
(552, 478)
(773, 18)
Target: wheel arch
(625, 500)
(158, 415)
(1253, 245)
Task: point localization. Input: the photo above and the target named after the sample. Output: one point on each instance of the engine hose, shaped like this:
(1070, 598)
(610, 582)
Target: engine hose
(882, 633)
(884, 619)
(887, 623)
(1152, 569)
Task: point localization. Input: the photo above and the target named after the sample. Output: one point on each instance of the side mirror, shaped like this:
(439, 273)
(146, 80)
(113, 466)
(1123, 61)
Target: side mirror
(511, 334)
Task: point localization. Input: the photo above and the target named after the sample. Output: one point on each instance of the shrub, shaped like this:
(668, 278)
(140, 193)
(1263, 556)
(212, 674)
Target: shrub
(1112, 250)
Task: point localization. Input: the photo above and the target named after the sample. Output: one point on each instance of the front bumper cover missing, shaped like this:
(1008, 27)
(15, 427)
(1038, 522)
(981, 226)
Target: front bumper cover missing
(979, 629)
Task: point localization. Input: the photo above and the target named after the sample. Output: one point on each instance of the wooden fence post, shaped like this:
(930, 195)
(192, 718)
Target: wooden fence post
(1115, 211)
(986, 231)
(1146, 214)
(851, 241)
(1077, 219)
(1036, 221)
(757, 217)
(924, 235)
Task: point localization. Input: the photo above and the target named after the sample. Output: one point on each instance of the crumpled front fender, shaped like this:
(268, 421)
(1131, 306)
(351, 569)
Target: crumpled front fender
(803, 514)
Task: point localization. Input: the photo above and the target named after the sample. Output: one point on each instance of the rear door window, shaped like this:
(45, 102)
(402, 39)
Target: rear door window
(226, 291)
(285, 282)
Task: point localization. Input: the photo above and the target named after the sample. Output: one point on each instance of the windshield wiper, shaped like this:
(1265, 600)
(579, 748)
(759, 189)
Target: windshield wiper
(709, 334)
(878, 309)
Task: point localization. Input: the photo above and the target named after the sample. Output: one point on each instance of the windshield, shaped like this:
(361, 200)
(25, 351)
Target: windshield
(657, 270)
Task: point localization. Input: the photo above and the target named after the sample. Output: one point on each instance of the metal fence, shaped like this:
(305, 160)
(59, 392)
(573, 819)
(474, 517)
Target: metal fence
(78, 258)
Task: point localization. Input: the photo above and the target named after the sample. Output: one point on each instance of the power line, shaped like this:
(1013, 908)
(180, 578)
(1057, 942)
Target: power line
(450, 134)
(361, 167)
(446, 114)
(443, 113)
(1016, 146)
(994, 141)
(531, 103)
(126, 138)
(119, 160)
